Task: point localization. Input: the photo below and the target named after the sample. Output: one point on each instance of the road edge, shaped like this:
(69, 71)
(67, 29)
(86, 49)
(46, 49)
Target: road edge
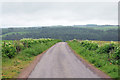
(90, 66)
(25, 72)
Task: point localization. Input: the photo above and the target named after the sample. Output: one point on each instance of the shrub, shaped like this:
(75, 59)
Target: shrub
(106, 48)
(117, 53)
(9, 51)
(74, 40)
(19, 46)
(89, 46)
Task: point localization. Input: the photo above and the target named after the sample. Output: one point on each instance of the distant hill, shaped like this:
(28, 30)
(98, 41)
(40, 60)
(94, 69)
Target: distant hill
(62, 32)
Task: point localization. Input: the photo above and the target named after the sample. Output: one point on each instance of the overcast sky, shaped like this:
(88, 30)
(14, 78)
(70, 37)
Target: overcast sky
(58, 13)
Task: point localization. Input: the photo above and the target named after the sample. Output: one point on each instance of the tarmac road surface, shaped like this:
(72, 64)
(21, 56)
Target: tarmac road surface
(60, 62)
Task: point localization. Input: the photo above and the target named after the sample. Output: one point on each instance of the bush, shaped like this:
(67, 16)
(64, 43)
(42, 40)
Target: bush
(12, 48)
(89, 46)
(117, 53)
(9, 51)
(106, 48)
(74, 40)
(113, 52)
(19, 46)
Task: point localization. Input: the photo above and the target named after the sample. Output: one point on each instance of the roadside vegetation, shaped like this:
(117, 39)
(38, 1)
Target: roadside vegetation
(17, 55)
(105, 57)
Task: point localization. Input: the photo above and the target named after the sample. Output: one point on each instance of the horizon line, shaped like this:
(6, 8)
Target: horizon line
(61, 25)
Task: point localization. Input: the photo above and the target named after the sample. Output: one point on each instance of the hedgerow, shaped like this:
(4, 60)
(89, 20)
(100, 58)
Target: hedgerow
(105, 57)
(11, 48)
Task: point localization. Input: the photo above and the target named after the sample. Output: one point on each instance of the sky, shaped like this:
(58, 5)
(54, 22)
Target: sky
(28, 14)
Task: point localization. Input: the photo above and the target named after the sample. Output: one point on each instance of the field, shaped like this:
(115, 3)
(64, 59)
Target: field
(16, 55)
(98, 45)
(104, 28)
(103, 33)
(13, 33)
(105, 55)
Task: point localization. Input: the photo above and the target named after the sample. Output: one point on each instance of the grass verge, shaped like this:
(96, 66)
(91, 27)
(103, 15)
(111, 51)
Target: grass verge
(100, 61)
(12, 67)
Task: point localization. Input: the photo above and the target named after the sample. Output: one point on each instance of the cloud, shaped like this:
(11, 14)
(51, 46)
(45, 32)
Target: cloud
(59, 0)
(58, 13)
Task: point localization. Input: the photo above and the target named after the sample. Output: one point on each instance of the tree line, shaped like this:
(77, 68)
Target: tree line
(63, 33)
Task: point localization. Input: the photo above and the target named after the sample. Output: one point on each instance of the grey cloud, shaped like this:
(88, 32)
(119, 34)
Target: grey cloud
(64, 13)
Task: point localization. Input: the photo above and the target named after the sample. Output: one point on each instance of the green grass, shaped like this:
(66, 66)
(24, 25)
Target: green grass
(98, 60)
(10, 33)
(103, 28)
(12, 67)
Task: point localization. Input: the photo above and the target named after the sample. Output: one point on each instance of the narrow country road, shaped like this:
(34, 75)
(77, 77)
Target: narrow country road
(60, 62)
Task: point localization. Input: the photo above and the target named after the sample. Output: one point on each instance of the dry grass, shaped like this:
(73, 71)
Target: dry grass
(101, 43)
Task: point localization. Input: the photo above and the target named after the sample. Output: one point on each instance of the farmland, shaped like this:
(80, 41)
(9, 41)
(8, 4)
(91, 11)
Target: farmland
(103, 33)
(104, 28)
(105, 55)
(97, 45)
